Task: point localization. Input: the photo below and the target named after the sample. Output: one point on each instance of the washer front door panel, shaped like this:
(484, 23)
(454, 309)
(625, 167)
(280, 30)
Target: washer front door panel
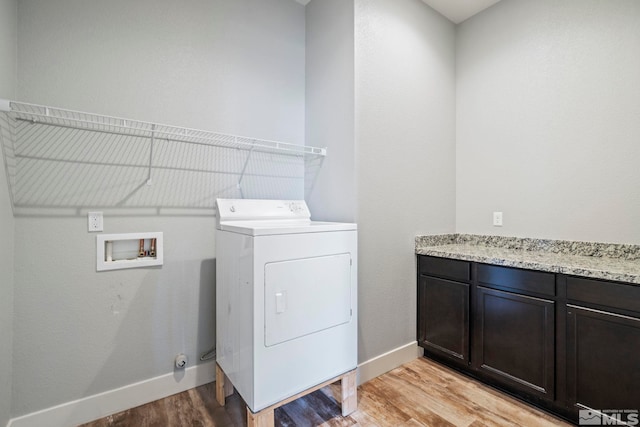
(304, 296)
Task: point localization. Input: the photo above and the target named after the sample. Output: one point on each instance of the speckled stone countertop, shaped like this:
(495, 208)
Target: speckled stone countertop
(607, 261)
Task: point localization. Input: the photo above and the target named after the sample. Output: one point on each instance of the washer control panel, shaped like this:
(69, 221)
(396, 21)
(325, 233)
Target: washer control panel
(258, 209)
(298, 206)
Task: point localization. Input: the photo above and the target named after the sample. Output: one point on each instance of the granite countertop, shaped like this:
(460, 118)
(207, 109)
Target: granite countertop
(609, 261)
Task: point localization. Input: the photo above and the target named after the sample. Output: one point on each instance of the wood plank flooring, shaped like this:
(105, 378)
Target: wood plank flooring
(419, 393)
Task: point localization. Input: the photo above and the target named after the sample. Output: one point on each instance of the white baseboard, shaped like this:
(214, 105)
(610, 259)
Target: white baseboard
(385, 362)
(113, 401)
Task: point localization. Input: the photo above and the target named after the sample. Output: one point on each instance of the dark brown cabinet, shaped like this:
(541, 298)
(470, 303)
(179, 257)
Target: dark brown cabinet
(563, 343)
(443, 314)
(443, 323)
(603, 340)
(515, 341)
(603, 370)
(515, 329)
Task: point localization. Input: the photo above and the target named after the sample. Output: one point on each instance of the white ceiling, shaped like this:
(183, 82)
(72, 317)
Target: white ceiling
(459, 10)
(455, 10)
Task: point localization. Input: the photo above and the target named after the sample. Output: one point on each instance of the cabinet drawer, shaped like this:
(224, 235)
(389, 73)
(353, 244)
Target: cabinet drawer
(444, 267)
(515, 279)
(602, 293)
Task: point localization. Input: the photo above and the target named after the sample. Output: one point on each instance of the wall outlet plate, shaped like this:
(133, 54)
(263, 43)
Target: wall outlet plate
(95, 221)
(497, 219)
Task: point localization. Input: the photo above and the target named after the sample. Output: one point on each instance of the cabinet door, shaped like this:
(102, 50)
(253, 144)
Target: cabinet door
(515, 341)
(603, 367)
(443, 318)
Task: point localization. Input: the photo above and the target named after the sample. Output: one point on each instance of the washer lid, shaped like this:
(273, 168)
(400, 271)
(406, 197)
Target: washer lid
(271, 227)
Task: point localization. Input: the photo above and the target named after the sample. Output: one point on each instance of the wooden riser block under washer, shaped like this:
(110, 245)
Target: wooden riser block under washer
(265, 417)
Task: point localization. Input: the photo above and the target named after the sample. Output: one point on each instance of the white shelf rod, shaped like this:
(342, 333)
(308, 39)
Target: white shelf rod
(127, 127)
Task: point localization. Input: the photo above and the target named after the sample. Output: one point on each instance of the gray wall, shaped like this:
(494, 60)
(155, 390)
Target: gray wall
(235, 67)
(8, 20)
(331, 189)
(548, 129)
(405, 164)
(228, 66)
(8, 17)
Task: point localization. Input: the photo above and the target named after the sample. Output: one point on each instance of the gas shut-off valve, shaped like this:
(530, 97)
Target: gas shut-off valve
(181, 361)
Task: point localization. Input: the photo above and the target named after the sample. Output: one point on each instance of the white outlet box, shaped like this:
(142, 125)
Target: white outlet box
(96, 223)
(119, 251)
(497, 219)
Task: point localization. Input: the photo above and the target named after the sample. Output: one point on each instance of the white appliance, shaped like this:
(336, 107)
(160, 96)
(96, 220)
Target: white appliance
(286, 298)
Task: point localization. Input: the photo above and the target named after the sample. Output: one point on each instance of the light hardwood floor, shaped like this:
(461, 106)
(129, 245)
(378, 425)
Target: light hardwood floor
(419, 393)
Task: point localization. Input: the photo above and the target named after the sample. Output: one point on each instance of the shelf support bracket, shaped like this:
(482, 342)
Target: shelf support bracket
(244, 168)
(153, 136)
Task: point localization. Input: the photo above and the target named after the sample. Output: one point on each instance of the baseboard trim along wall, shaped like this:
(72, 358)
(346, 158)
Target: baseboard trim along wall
(113, 401)
(377, 366)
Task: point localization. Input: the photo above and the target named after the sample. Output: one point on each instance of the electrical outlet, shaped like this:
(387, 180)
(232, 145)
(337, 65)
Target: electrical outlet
(95, 221)
(497, 219)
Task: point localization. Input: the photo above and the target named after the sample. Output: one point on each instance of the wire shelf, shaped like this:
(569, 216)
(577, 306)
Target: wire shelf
(58, 158)
(116, 125)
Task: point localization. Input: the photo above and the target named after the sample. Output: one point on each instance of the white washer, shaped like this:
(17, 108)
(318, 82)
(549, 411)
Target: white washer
(286, 298)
